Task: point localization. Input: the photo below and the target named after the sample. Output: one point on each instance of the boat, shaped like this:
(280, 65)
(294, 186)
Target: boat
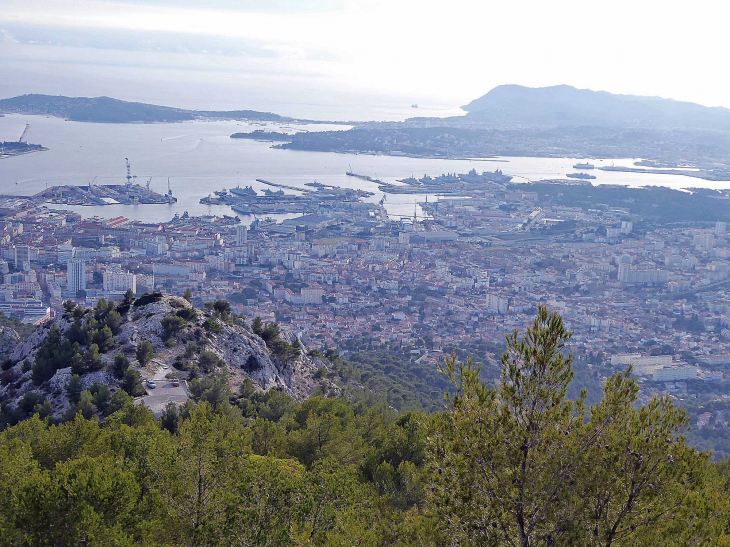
(584, 176)
(243, 192)
(414, 106)
(221, 193)
(584, 166)
(486, 176)
(242, 209)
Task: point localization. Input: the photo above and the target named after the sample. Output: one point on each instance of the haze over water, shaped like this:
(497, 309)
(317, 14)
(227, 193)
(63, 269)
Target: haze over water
(200, 158)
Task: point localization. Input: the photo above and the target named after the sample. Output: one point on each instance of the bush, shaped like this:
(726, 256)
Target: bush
(188, 314)
(172, 324)
(211, 325)
(209, 361)
(147, 298)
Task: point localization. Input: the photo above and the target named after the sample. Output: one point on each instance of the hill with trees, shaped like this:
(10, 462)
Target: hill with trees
(516, 463)
(109, 110)
(100, 355)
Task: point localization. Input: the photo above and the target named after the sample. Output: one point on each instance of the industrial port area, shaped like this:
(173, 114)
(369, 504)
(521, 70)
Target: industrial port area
(317, 197)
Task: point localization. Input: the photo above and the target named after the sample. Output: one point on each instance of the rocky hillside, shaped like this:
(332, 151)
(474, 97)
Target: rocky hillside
(111, 349)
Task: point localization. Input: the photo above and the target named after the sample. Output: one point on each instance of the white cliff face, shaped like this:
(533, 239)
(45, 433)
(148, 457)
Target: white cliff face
(9, 340)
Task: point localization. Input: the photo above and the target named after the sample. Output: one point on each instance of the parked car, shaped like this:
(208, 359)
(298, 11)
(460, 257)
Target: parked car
(151, 384)
(176, 383)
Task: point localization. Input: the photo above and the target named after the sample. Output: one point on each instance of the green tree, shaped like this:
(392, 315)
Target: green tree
(196, 474)
(257, 326)
(113, 320)
(132, 383)
(92, 358)
(516, 464)
(104, 339)
(74, 388)
(209, 362)
(54, 353)
(211, 325)
(144, 353)
(120, 366)
(223, 308)
(171, 325)
(188, 295)
(78, 366)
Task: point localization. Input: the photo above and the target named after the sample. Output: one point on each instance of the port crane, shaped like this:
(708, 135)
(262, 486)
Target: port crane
(129, 173)
(148, 183)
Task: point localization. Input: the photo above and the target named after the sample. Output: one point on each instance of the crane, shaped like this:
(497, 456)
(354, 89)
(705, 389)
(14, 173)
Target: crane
(129, 174)
(148, 183)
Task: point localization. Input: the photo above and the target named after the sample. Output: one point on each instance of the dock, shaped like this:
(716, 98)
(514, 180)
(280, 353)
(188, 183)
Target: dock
(284, 186)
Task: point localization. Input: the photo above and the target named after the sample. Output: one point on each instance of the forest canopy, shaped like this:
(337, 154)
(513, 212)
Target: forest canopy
(516, 462)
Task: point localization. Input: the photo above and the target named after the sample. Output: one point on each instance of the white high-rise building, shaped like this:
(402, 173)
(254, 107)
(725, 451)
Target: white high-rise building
(119, 281)
(720, 229)
(646, 277)
(76, 275)
(241, 235)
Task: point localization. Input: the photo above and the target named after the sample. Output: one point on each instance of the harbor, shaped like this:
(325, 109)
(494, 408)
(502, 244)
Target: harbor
(314, 198)
(449, 183)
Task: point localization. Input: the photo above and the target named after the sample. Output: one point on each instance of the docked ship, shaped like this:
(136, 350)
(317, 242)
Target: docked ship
(584, 176)
(241, 209)
(246, 192)
(221, 193)
(486, 176)
(584, 166)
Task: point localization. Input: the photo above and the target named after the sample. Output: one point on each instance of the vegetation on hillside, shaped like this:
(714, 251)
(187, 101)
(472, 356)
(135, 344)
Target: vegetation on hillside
(516, 464)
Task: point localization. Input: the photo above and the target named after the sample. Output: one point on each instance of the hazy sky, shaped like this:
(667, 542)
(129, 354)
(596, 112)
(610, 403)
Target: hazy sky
(447, 52)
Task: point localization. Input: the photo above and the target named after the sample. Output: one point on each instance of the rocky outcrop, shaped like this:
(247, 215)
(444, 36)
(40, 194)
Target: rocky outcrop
(9, 340)
(244, 353)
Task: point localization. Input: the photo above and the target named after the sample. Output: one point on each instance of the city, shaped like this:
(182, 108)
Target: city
(473, 268)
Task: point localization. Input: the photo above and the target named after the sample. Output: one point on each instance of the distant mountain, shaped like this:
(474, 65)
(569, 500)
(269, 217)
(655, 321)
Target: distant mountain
(108, 110)
(563, 105)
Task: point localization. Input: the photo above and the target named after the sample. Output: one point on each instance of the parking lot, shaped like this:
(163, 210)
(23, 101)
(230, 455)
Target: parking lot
(164, 392)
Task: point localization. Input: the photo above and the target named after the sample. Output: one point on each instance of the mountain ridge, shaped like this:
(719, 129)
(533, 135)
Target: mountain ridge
(565, 105)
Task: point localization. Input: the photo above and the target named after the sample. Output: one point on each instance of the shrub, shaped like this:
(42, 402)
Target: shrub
(209, 361)
(211, 325)
(147, 298)
(172, 324)
(188, 314)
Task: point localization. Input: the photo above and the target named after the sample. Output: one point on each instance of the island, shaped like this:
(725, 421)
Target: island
(108, 110)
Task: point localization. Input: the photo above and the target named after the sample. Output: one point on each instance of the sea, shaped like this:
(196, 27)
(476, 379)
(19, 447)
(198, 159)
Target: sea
(198, 158)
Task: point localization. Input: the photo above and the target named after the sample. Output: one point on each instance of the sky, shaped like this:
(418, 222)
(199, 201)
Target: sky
(297, 55)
